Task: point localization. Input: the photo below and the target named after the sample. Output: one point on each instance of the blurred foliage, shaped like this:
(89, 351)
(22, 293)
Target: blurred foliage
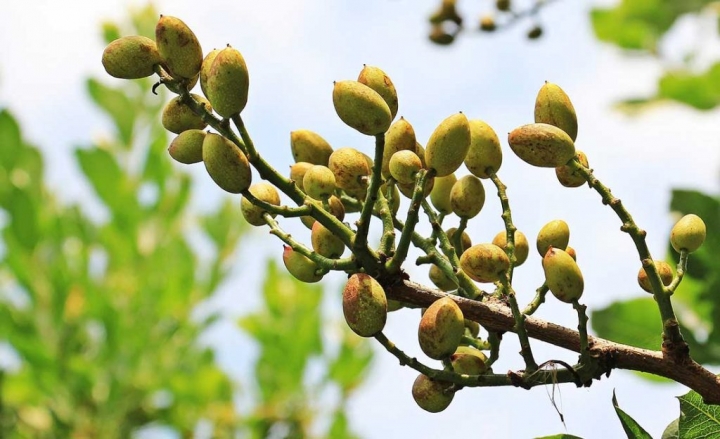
(95, 314)
(645, 27)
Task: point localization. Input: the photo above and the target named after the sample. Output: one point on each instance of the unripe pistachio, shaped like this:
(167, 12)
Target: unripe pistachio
(325, 243)
(376, 79)
(319, 182)
(441, 328)
(446, 12)
(301, 267)
(178, 47)
(448, 145)
(542, 145)
(468, 361)
(336, 209)
(350, 168)
(465, 241)
(187, 147)
(394, 305)
(664, 270)
(484, 156)
(308, 146)
(228, 82)
(430, 395)
(569, 178)
(440, 195)
(131, 57)
(553, 106)
(562, 275)
(440, 279)
(571, 251)
(688, 233)
(467, 197)
(420, 151)
(487, 23)
(364, 305)
(535, 32)
(263, 191)
(399, 137)
(361, 107)
(555, 234)
(297, 173)
(226, 164)
(522, 247)
(472, 327)
(485, 262)
(178, 117)
(205, 69)
(404, 165)
(502, 5)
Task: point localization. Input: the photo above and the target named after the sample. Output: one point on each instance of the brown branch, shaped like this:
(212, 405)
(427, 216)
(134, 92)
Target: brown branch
(495, 316)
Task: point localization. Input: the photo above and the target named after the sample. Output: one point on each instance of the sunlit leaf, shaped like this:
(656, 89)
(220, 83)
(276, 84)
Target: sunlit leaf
(117, 105)
(633, 430)
(697, 419)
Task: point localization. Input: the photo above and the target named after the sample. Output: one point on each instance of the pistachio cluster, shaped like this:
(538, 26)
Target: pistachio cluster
(326, 183)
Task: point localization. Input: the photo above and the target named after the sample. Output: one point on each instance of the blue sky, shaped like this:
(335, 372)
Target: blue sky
(295, 50)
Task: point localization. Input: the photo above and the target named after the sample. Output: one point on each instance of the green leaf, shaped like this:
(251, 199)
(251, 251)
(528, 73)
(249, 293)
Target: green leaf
(118, 106)
(672, 430)
(10, 139)
(24, 222)
(697, 419)
(560, 436)
(633, 430)
(350, 366)
(698, 90)
(108, 180)
(635, 322)
(339, 428)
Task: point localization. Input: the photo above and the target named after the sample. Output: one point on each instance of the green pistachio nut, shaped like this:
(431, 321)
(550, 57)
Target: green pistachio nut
(484, 156)
(569, 178)
(226, 164)
(361, 107)
(407, 189)
(485, 262)
(448, 145)
(467, 197)
(472, 328)
(688, 233)
(562, 275)
(399, 137)
(319, 182)
(228, 82)
(334, 207)
(420, 151)
(487, 23)
(441, 280)
(178, 117)
(502, 5)
(376, 79)
(664, 270)
(263, 191)
(555, 234)
(179, 47)
(325, 242)
(364, 305)
(465, 241)
(440, 195)
(439, 36)
(297, 173)
(468, 361)
(431, 396)
(131, 57)
(350, 168)
(187, 147)
(301, 267)
(404, 165)
(441, 328)
(308, 146)
(522, 247)
(394, 305)
(205, 70)
(571, 251)
(543, 145)
(553, 106)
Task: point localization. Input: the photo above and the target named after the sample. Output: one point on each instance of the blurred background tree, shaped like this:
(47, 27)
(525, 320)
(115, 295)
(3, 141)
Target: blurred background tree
(98, 317)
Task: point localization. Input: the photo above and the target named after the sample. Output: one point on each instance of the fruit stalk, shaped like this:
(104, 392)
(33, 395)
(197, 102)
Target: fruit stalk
(519, 328)
(673, 341)
(360, 245)
(679, 274)
(538, 300)
(394, 264)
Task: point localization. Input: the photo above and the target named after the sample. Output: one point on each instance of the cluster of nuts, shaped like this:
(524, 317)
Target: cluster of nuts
(327, 183)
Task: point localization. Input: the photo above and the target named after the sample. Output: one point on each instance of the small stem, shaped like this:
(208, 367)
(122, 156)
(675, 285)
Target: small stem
(394, 264)
(672, 338)
(476, 343)
(680, 273)
(507, 219)
(494, 339)
(539, 299)
(284, 211)
(457, 237)
(387, 241)
(582, 331)
(360, 245)
(525, 349)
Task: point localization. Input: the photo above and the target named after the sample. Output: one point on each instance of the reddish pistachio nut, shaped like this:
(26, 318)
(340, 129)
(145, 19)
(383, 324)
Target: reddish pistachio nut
(179, 47)
(300, 266)
(485, 262)
(664, 270)
(468, 361)
(364, 305)
(441, 328)
(440, 279)
(569, 178)
(263, 191)
(350, 168)
(325, 243)
(131, 57)
(432, 396)
(542, 145)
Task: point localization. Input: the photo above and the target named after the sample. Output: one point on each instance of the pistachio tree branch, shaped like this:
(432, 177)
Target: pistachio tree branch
(497, 317)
